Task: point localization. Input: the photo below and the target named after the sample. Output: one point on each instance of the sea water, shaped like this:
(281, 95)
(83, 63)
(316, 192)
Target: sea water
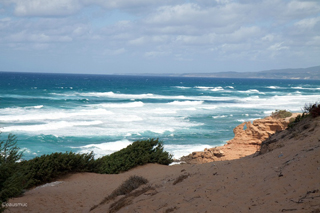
(105, 113)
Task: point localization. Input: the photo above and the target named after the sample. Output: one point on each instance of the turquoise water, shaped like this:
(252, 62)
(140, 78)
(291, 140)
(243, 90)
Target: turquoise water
(102, 113)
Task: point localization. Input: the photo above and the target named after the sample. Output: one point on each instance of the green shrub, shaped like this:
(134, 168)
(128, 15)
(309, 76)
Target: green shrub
(281, 114)
(46, 168)
(138, 153)
(297, 120)
(11, 181)
(312, 109)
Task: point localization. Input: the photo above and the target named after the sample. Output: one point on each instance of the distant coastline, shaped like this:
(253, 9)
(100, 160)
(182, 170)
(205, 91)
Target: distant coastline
(310, 73)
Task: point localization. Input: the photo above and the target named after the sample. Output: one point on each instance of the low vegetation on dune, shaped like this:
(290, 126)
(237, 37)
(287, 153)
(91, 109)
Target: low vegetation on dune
(16, 175)
(138, 153)
(309, 110)
(281, 114)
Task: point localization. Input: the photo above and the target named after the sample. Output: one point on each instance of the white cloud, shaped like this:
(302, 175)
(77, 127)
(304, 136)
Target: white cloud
(301, 8)
(194, 15)
(153, 54)
(269, 37)
(277, 47)
(315, 41)
(46, 7)
(24, 36)
(138, 41)
(307, 23)
(119, 4)
(119, 51)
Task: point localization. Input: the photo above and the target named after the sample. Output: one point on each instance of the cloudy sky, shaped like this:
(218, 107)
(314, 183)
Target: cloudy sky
(164, 36)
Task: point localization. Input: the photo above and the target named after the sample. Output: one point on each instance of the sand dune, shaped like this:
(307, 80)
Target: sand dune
(285, 178)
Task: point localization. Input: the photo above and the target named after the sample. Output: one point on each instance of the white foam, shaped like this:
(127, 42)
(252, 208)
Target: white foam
(51, 114)
(38, 107)
(268, 112)
(241, 120)
(306, 88)
(219, 116)
(182, 150)
(119, 95)
(186, 103)
(273, 87)
(230, 87)
(182, 87)
(134, 118)
(203, 88)
(96, 120)
(252, 91)
(217, 89)
(103, 149)
(48, 126)
(122, 105)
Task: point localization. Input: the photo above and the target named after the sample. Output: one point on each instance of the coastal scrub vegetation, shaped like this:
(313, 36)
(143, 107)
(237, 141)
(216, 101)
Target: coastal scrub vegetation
(138, 153)
(16, 174)
(11, 180)
(308, 110)
(281, 114)
(312, 109)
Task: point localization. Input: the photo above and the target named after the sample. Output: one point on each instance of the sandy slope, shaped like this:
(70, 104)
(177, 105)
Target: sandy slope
(284, 179)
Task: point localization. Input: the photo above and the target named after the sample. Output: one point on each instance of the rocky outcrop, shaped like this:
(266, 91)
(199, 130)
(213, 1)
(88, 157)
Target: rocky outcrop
(208, 155)
(254, 133)
(247, 139)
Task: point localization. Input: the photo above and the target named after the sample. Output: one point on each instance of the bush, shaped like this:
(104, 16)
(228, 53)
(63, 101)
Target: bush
(45, 168)
(11, 181)
(281, 114)
(312, 109)
(297, 120)
(138, 153)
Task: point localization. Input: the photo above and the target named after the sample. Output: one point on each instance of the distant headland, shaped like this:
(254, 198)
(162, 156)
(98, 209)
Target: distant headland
(310, 73)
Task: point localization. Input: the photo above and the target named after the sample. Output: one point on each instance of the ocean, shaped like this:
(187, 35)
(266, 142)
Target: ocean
(105, 113)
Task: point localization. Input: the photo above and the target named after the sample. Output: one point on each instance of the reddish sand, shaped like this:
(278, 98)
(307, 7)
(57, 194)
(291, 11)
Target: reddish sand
(286, 178)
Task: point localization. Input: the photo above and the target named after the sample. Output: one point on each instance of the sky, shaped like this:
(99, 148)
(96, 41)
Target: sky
(158, 36)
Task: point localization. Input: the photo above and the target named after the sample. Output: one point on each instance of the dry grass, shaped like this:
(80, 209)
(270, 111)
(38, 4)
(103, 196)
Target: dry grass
(127, 200)
(181, 178)
(124, 189)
